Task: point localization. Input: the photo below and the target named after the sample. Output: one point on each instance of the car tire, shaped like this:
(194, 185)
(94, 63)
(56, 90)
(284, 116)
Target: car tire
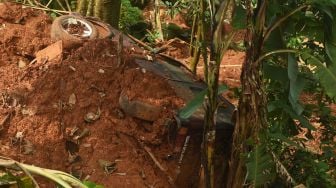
(59, 33)
(104, 30)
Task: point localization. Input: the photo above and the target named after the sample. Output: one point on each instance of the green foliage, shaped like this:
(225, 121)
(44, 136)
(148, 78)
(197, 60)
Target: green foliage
(296, 84)
(260, 166)
(152, 37)
(8, 179)
(326, 75)
(239, 19)
(311, 171)
(90, 184)
(310, 70)
(176, 7)
(129, 15)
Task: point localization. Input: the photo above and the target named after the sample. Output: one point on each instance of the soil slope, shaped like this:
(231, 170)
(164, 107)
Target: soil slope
(42, 104)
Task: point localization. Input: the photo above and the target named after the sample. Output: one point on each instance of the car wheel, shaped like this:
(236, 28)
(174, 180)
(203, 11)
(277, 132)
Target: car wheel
(72, 30)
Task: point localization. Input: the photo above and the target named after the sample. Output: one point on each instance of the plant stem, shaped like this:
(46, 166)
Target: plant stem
(157, 18)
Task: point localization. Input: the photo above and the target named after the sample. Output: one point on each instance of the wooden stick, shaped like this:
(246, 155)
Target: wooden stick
(147, 149)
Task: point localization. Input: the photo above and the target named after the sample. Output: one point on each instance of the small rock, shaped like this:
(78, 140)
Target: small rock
(102, 94)
(22, 64)
(149, 58)
(19, 135)
(72, 99)
(101, 71)
(143, 70)
(86, 145)
(2, 26)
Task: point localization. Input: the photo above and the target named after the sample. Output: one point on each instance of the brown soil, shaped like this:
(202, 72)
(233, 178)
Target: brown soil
(75, 29)
(37, 99)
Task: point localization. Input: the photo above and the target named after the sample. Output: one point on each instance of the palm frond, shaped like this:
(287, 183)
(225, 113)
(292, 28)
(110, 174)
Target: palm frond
(260, 166)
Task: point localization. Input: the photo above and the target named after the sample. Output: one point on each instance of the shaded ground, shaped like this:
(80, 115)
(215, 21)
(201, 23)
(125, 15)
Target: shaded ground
(45, 102)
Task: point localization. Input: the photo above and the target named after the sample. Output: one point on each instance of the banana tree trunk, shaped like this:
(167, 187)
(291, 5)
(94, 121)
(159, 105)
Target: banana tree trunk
(252, 104)
(106, 10)
(111, 12)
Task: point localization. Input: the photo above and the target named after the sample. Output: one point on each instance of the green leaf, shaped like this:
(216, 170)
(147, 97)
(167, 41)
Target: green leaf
(260, 166)
(26, 182)
(302, 119)
(239, 18)
(278, 104)
(275, 72)
(330, 49)
(296, 84)
(330, 34)
(196, 102)
(90, 184)
(274, 41)
(326, 76)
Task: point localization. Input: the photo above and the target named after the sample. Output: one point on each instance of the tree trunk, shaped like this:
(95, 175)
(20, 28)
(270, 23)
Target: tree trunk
(252, 104)
(106, 10)
(111, 12)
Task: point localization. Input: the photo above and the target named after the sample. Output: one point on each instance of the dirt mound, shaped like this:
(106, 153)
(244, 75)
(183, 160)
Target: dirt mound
(43, 104)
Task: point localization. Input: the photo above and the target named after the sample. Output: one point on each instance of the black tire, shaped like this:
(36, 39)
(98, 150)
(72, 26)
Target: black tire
(104, 30)
(59, 33)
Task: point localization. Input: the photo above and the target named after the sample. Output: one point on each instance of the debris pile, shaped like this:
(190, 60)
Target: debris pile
(78, 110)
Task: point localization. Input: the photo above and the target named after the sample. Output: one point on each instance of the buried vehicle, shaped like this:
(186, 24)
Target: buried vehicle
(189, 131)
(186, 133)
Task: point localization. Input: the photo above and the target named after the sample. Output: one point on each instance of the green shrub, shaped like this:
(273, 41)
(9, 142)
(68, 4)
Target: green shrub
(129, 15)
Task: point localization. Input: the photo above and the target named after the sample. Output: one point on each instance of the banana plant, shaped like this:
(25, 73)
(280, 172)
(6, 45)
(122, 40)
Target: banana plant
(271, 25)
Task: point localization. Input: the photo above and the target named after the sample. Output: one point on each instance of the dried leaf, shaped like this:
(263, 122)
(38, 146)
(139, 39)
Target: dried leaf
(108, 166)
(91, 117)
(28, 111)
(83, 134)
(71, 147)
(28, 148)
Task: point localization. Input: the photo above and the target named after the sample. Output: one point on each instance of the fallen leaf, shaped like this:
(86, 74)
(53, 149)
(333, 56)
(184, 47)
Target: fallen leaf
(28, 111)
(120, 114)
(71, 147)
(83, 134)
(28, 148)
(108, 166)
(74, 158)
(91, 117)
